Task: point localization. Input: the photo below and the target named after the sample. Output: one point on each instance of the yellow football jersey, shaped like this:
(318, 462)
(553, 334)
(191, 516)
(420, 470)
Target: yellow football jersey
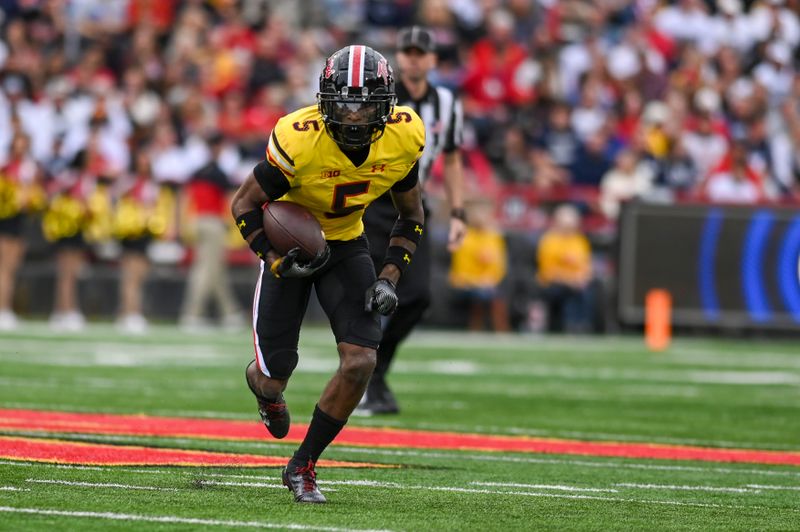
(324, 180)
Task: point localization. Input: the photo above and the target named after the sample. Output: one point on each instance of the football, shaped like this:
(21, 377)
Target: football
(289, 225)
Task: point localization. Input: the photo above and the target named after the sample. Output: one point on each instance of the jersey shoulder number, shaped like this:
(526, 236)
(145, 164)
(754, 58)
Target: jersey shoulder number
(408, 129)
(291, 135)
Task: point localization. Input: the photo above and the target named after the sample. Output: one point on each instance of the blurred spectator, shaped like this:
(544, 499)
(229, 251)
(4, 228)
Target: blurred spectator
(65, 219)
(19, 195)
(493, 76)
(772, 19)
(269, 55)
(677, 171)
(478, 268)
(628, 179)
(654, 129)
(516, 165)
(208, 280)
(564, 271)
(761, 156)
(630, 116)
(588, 117)
(231, 117)
(705, 146)
(776, 73)
(558, 139)
(734, 180)
(135, 224)
(732, 27)
(591, 161)
(684, 20)
(576, 59)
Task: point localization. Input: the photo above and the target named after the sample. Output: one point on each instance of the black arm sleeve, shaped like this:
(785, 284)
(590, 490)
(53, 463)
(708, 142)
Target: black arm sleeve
(271, 180)
(409, 181)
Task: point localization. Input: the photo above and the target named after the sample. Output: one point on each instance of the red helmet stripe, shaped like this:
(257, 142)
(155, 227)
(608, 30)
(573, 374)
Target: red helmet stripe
(355, 70)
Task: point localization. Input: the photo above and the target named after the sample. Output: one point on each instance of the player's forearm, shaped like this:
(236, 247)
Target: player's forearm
(409, 208)
(409, 205)
(247, 197)
(454, 180)
(246, 210)
(406, 233)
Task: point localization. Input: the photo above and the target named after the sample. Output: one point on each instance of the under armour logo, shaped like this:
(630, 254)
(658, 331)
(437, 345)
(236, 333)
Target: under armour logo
(378, 168)
(242, 224)
(407, 258)
(418, 229)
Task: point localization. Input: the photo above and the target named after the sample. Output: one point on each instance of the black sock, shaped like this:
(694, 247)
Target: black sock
(321, 432)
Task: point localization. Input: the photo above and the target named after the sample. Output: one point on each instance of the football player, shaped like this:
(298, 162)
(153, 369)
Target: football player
(334, 158)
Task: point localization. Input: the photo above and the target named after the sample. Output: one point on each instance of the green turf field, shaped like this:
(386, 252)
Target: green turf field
(702, 392)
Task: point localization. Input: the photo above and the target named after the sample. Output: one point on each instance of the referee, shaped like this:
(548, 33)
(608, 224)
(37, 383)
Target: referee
(442, 115)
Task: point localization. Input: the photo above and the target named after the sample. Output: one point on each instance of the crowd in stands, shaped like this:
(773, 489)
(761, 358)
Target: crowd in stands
(111, 111)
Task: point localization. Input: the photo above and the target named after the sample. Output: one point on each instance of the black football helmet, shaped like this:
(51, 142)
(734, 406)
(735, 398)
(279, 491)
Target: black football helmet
(356, 96)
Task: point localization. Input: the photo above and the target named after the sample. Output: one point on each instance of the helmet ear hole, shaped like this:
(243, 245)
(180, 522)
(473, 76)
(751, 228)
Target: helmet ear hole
(356, 96)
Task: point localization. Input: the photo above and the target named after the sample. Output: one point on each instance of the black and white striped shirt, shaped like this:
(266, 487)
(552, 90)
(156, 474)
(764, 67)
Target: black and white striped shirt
(441, 113)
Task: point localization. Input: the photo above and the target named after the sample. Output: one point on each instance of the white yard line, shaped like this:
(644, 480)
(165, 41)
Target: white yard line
(170, 519)
(458, 489)
(770, 487)
(13, 488)
(556, 487)
(96, 484)
(271, 485)
(716, 489)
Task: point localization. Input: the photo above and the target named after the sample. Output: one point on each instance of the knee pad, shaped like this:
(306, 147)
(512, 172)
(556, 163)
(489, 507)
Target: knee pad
(280, 364)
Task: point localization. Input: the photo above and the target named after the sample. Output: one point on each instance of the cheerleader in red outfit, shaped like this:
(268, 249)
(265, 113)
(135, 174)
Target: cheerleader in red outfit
(20, 194)
(135, 223)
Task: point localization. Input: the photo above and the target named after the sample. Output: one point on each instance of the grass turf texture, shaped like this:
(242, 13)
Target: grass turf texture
(712, 393)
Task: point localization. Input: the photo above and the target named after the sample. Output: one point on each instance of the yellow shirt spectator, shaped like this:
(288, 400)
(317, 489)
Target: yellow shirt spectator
(481, 261)
(564, 259)
(564, 254)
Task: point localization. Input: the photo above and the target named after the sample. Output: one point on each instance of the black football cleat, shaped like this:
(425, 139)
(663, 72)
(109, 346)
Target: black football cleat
(377, 400)
(274, 413)
(302, 482)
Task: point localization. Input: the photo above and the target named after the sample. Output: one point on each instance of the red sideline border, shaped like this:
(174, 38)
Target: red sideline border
(142, 425)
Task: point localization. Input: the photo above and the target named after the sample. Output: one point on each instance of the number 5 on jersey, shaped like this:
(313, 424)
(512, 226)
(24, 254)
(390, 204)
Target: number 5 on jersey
(343, 191)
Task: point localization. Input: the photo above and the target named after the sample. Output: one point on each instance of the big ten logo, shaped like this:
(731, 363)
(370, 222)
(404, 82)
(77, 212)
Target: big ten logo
(402, 116)
(331, 173)
(305, 126)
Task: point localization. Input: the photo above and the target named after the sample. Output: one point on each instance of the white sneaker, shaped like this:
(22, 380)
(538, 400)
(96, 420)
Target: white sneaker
(132, 324)
(8, 320)
(194, 324)
(233, 322)
(71, 321)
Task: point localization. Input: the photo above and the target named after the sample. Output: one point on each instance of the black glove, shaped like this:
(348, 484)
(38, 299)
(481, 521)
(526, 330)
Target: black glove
(288, 266)
(381, 297)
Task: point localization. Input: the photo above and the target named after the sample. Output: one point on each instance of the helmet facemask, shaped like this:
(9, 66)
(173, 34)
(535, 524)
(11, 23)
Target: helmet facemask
(355, 116)
(355, 120)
